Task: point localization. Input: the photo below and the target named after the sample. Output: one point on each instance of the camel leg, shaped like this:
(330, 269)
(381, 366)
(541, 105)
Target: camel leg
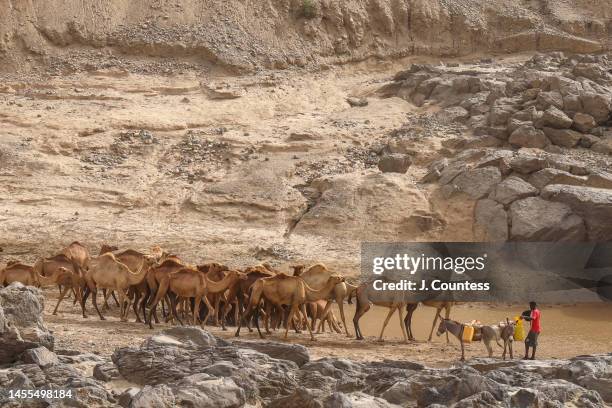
(434, 325)
(172, 308)
(362, 308)
(303, 310)
(123, 309)
(196, 309)
(135, 306)
(94, 300)
(256, 317)
(61, 296)
(400, 311)
(105, 295)
(84, 294)
(447, 315)
(391, 311)
(217, 304)
(462, 349)
(322, 317)
(294, 308)
(410, 308)
(211, 310)
(340, 302)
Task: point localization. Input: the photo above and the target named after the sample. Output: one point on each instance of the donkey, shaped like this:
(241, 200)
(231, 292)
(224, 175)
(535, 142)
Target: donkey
(484, 333)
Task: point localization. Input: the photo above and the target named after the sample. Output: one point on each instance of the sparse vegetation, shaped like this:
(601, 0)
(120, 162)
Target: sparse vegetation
(309, 9)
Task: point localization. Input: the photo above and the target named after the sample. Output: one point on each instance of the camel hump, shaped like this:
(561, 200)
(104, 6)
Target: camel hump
(131, 252)
(59, 258)
(281, 275)
(317, 268)
(168, 263)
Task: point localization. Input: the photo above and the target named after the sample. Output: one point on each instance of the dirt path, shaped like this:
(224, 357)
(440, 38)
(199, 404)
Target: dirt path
(568, 331)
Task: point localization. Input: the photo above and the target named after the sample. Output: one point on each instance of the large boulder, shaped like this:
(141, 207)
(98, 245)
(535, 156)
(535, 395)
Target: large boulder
(555, 118)
(535, 219)
(476, 183)
(593, 204)
(528, 136)
(292, 352)
(544, 177)
(596, 105)
(563, 137)
(21, 323)
(511, 189)
(490, 221)
(584, 122)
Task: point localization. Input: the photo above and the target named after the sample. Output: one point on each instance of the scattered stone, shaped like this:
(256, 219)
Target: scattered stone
(357, 102)
(584, 122)
(490, 221)
(40, 356)
(477, 183)
(563, 137)
(394, 163)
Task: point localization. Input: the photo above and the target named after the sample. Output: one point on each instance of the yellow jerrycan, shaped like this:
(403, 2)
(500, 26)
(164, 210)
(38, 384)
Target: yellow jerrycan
(468, 334)
(519, 330)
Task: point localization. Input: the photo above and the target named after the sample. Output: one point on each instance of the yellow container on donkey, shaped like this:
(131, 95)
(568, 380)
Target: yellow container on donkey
(468, 334)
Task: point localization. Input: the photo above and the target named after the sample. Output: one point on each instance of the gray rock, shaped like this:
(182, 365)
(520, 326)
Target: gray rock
(394, 163)
(548, 99)
(105, 372)
(454, 114)
(490, 221)
(292, 352)
(555, 118)
(593, 204)
(511, 189)
(203, 391)
(21, 323)
(596, 105)
(40, 356)
(528, 136)
(526, 163)
(563, 137)
(525, 398)
(477, 183)
(194, 335)
(544, 177)
(357, 102)
(160, 396)
(500, 114)
(535, 219)
(126, 397)
(589, 140)
(584, 122)
(604, 146)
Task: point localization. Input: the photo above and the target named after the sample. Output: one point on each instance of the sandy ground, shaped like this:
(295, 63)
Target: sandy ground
(567, 331)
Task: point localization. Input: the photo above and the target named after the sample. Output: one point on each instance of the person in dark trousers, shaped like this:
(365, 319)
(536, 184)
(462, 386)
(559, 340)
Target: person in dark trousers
(533, 317)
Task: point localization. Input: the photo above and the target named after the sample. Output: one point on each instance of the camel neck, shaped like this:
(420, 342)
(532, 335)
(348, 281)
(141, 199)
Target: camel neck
(219, 286)
(316, 294)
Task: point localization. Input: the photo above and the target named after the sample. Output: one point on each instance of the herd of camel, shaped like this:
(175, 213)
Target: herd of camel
(144, 280)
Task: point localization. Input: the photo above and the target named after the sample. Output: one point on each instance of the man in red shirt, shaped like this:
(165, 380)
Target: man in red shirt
(534, 332)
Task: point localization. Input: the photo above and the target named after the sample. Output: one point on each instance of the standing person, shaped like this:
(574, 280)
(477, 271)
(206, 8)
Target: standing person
(532, 338)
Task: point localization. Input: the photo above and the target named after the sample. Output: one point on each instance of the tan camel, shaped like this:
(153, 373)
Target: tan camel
(106, 272)
(104, 249)
(191, 283)
(316, 276)
(215, 272)
(365, 297)
(48, 266)
(317, 309)
(18, 272)
(438, 305)
(286, 290)
(78, 253)
(67, 279)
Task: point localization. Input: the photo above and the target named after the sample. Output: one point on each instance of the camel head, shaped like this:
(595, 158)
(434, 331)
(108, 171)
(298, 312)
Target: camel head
(298, 269)
(108, 248)
(336, 279)
(239, 275)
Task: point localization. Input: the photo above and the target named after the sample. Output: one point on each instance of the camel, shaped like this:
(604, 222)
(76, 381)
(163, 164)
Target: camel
(46, 267)
(78, 253)
(317, 308)
(192, 283)
(316, 276)
(214, 271)
(106, 272)
(67, 279)
(107, 248)
(287, 290)
(18, 272)
(364, 297)
(439, 305)
(237, 293)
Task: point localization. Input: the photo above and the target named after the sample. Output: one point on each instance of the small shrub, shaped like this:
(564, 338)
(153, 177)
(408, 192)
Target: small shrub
(309, 9)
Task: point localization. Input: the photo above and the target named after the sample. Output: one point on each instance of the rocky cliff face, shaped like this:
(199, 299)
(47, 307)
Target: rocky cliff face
(238, 35)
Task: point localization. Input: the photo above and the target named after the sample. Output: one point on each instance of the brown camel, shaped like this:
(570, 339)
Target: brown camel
(316, 276)
(78, 253)
(67, 279)
(18, 272)
(215, 272)
(438, 305)
(192, 283)
(104, 249)
(106, 272)
(48, 266)
(287, 290)
(364, 296)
